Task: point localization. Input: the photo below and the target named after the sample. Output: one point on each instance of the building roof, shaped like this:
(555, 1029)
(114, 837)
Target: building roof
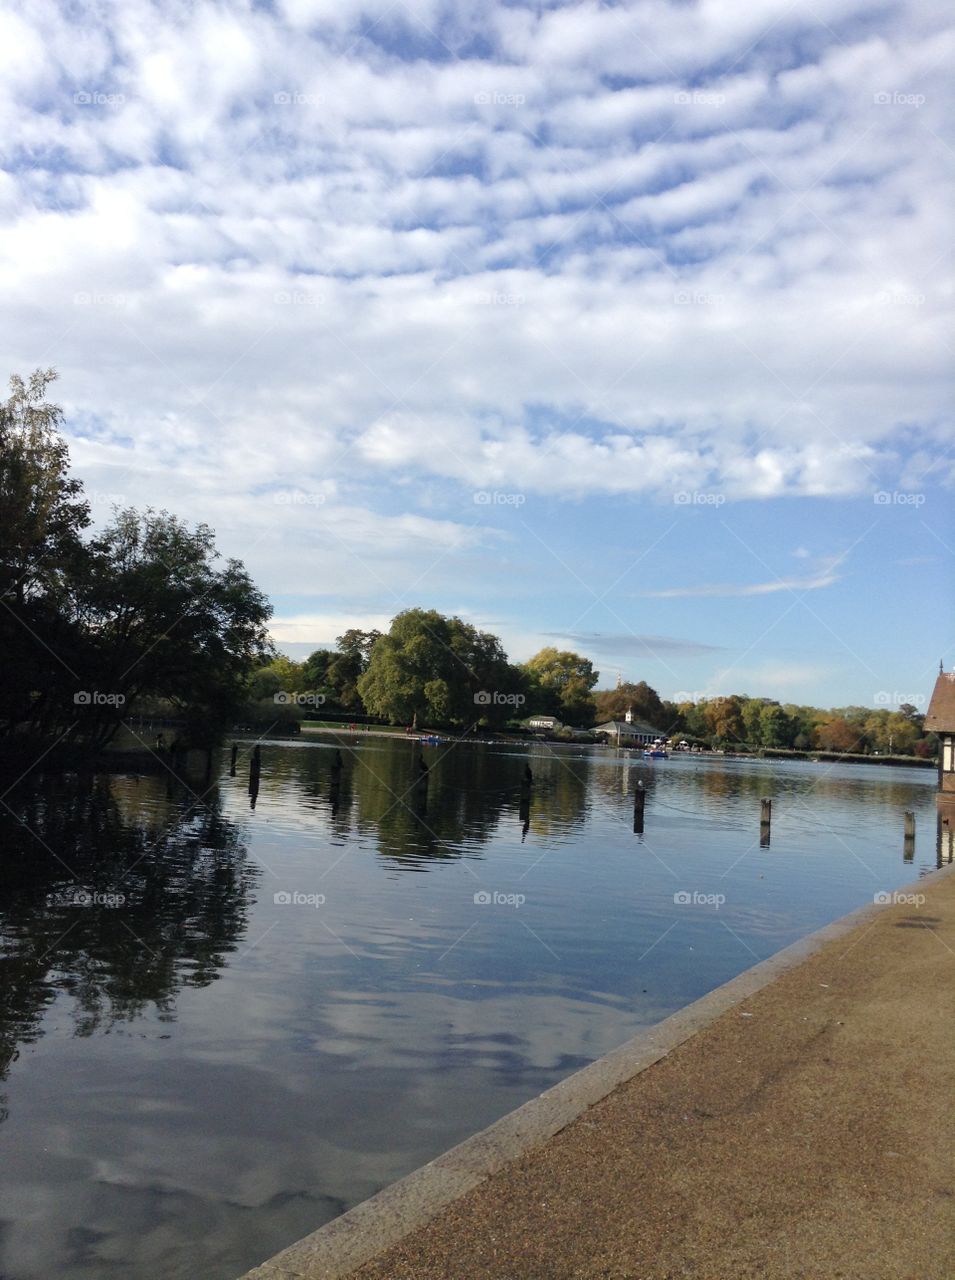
(940, 716)
(634, 727)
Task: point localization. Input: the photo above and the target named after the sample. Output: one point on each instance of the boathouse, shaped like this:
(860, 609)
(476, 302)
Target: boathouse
(940, 720)
(629, 732)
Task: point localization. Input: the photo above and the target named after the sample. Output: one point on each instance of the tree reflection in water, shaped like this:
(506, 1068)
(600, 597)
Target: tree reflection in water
(114, 892)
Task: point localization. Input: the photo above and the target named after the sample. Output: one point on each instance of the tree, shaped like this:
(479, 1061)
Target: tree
(902, 732)
(86, 627)
(673, 722)
(160, 619)
(42, 516)
(694, 718)
(315, 668)
(724, 719)
(279, 675)
(613, 704)
(560, 684)
(43, 510)
(437, 670)
(805, 721)
(348, 664)
(751, 713)
(837, 734)
(775, 727)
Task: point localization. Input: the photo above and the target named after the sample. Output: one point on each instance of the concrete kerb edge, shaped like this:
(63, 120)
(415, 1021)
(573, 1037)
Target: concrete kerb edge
(344, 1244)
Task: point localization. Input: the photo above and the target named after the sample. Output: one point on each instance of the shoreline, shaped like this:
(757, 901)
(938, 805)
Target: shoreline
(435, 1221)
(70, 758)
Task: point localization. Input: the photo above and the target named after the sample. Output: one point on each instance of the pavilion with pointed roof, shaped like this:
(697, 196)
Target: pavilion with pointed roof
(940, 720)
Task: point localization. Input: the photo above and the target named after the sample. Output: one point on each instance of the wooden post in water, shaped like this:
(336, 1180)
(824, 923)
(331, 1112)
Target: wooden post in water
(908, 842)
(639, 800)
(235, 753)
(255, 768)
(765, 822)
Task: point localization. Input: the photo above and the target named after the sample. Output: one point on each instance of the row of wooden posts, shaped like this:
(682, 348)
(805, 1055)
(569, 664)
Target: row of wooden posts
(766, 821)
(527, 782)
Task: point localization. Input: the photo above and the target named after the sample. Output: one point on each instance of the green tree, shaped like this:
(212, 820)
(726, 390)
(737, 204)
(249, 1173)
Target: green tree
(805, 721)
(436, 670)
(560, 683)
(42, 516)
(902, 733)
(694, 718)
(673, 721)
(348, 664)
(160, 619)
(315, 668)
(775, 727)
(278, 675)
(751, 714)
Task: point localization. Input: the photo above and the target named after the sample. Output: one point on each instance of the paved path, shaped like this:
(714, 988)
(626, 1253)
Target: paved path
(807, 1133)
(814, 1138)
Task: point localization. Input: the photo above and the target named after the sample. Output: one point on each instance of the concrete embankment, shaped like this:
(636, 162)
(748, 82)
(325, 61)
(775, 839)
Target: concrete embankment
(798, 1122)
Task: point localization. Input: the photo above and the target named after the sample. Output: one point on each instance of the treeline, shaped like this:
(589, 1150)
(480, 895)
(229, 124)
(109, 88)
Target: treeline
(763, 723)
(436, 671)
(430, 670)
(91, 627)
(743, 722)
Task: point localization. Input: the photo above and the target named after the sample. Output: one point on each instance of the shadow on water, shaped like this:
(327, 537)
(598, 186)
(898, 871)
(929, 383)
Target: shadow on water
(115, 893)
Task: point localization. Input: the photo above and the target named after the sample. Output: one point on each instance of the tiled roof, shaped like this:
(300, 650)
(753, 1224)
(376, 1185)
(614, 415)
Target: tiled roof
(941, 710)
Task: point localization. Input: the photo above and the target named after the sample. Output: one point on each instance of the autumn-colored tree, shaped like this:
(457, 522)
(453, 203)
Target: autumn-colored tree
(724, 719)
(644, 701)
(837, 734)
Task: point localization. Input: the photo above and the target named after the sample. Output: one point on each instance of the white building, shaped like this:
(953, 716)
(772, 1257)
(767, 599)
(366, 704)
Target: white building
(543, 724)
(629, 731)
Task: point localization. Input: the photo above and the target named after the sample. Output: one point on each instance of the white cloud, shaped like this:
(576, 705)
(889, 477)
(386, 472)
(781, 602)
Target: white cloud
(825, 576)
(503, 271)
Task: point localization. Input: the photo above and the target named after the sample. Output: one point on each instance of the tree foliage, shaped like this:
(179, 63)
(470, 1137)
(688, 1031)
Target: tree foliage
(644, 701)
(560, 683)
(90, 625)
(437, 670)
(741, 722)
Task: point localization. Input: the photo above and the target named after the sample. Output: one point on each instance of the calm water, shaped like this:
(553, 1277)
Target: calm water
(258, 1017)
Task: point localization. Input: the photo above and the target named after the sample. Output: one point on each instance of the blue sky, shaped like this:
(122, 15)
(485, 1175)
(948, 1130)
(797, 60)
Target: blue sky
(624, 327)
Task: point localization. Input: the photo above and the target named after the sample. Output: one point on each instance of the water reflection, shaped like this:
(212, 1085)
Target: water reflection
(945, 834)
(488, 921)
(116, 893)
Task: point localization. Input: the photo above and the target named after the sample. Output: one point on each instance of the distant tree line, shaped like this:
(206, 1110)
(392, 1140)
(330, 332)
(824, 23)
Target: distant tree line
(742, 721)
(739, 721)
(433, 670)
(428, 669)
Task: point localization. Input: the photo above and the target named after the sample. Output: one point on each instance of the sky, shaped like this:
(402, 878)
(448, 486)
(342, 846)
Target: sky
(620, 327)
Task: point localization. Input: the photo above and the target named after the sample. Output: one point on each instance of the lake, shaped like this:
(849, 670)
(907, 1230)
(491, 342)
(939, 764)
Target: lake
(221, 1026)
